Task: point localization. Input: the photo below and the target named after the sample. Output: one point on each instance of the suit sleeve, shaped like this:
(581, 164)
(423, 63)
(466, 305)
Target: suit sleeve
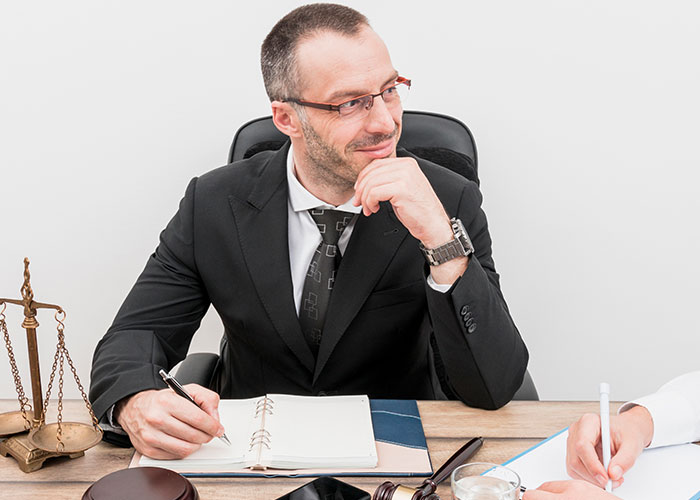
(155, 325)
(483, 355)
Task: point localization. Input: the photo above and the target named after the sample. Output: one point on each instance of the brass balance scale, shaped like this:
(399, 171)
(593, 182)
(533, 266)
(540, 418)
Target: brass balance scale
(31, 440)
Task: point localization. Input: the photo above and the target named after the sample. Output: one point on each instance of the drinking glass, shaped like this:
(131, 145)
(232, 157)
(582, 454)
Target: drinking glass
(484, 481)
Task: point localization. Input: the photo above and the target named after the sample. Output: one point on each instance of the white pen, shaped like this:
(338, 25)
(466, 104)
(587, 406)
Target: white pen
(605, 429)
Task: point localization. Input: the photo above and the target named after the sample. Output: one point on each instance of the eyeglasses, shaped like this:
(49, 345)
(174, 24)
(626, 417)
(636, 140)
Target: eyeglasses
(358, 106)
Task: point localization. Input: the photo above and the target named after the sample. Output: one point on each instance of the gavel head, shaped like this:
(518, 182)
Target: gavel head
(390, 491)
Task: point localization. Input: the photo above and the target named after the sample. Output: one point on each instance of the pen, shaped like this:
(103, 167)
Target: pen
(180, 391)
(605, 429)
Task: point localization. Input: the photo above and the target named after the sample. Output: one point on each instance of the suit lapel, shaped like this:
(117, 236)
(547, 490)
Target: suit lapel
(372, 246)
(260, 211)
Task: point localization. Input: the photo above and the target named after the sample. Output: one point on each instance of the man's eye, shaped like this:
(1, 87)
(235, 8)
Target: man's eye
(390, 91)
(351, 104)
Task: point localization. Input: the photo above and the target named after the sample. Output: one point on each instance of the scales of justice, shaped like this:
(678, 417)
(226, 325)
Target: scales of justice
(30, 440)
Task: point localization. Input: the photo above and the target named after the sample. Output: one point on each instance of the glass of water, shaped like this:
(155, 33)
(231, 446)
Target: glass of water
(484, 481)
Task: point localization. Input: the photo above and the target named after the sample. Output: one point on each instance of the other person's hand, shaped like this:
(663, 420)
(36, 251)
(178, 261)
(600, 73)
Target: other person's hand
(568, 490)
(163, 425)
(630, 433)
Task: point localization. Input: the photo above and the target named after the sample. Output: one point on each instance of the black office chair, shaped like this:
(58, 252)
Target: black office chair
(438, 138)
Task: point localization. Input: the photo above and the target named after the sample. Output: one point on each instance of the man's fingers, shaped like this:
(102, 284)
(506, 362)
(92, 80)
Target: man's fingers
(377, 193)
(172, 426)
(206, 399)
(197, 418)
(366, 194)
(160, 445)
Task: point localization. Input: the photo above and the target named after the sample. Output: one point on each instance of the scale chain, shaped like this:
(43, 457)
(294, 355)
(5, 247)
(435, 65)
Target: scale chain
(23, 400)
(82, 391)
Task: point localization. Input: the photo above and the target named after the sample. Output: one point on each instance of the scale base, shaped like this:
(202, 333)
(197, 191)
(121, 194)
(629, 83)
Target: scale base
(28, 457)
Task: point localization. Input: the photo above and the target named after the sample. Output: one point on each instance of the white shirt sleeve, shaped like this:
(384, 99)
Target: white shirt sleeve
(108, 423)
(675, 410)
(437, 286)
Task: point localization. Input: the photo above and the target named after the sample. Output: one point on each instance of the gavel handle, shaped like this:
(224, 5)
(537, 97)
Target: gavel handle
(461, 456)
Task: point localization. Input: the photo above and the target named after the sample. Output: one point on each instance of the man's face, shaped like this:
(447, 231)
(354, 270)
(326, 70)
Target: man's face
(334, 68)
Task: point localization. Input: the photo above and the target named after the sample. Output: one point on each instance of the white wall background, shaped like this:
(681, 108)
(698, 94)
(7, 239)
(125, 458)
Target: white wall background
(586, 115)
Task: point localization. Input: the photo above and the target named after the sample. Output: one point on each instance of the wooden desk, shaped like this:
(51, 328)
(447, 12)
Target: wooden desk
(448, 425)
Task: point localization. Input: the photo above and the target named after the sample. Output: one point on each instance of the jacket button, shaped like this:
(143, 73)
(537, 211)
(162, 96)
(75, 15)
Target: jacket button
(464, 310)
(471, 328)
(469, 321)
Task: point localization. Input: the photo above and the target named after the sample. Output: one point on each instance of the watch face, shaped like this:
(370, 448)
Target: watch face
(462, 236)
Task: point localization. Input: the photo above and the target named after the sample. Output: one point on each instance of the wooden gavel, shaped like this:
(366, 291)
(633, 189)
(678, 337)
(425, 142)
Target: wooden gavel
(426, 491)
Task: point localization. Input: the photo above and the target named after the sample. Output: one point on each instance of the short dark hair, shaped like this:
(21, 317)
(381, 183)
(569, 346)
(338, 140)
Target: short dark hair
(278, 52)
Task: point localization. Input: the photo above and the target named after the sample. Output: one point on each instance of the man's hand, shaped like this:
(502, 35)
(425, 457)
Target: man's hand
(163, 425)
(630, 433)
(568, 490)
(401, 182)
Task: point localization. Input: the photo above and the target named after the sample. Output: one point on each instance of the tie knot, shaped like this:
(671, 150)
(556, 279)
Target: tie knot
(330, 223)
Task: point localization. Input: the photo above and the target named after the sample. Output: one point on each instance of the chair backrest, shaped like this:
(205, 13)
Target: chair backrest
(432, 136)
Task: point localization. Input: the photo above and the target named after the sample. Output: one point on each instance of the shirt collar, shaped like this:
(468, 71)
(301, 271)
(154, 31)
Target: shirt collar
(301, 199)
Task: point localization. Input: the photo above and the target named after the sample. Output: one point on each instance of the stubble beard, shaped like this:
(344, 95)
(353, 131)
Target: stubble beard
(327, 167)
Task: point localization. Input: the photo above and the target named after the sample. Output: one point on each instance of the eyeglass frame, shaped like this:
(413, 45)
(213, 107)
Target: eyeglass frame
(400, 80)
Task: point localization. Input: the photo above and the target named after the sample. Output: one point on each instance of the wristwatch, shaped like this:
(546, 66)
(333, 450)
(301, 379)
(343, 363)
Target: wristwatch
(459, 246)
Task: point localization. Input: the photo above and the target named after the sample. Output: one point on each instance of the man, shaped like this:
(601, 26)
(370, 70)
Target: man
(669, 416)
(247, 239)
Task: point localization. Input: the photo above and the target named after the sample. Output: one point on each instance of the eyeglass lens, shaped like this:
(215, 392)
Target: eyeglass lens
(393, 96)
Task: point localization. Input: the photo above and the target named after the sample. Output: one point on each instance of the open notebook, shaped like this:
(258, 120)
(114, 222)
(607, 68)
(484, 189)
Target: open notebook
(667, 473)
(398, 438)
(286, 432)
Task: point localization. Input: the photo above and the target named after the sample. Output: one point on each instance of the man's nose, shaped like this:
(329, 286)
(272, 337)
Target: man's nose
(380, 120)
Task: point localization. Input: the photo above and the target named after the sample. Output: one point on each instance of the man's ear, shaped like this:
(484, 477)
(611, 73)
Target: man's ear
(286, 119)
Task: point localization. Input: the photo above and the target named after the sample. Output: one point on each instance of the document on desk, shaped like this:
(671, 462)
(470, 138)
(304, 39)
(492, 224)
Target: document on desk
(311, 436)
(670, 472)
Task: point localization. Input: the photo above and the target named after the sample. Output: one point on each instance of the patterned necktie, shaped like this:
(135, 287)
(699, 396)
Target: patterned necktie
(320, 277)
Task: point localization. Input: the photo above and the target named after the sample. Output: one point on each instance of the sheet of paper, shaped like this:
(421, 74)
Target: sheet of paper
(669, 473)
(236, 414)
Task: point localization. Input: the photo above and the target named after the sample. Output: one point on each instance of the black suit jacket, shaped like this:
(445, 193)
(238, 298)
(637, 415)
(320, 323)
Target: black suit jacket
(228, 246)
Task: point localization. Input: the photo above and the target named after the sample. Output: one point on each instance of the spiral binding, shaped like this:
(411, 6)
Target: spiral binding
(260, 437)
(263, 407)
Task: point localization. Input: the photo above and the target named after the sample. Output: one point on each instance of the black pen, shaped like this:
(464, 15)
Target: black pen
(180, 391)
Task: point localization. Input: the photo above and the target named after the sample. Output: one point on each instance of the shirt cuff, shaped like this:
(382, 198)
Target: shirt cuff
(108, 423)
(438, 287)
(672, 414)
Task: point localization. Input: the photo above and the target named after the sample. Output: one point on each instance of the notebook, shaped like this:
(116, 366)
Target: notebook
(669, 472)
(286, 432)
(397, 436)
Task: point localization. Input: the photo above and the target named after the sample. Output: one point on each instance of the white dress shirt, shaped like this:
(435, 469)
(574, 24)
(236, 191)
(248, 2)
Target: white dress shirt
(675, 410)
(303, 234)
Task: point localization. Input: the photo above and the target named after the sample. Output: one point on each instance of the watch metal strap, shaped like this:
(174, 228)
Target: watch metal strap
(459, 246)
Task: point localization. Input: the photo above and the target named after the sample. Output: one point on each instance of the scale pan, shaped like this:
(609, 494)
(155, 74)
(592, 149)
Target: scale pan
(75, 436)
(12, 423)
